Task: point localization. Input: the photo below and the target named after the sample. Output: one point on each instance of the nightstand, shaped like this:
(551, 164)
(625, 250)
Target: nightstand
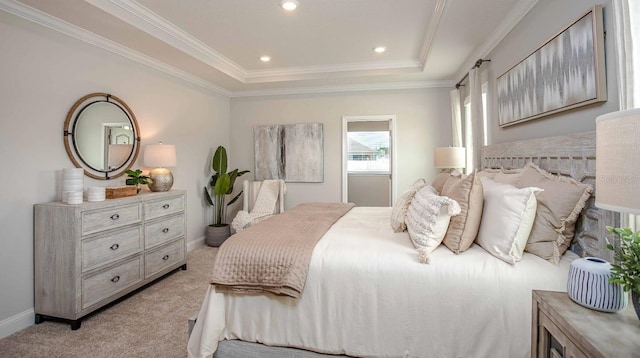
(563, 328)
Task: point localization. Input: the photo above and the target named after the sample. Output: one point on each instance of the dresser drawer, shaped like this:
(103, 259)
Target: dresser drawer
(100, 286)
(109, 218)
(163, 257)
(157, 208)
(163, 230)
(103, 249)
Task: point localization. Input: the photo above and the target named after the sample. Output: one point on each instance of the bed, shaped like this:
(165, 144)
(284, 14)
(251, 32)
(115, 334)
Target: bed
(366, 294)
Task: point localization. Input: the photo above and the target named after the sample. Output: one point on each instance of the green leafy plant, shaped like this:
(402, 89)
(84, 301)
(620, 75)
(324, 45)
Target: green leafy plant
(626, 270)
(135, 177)
(221, 185)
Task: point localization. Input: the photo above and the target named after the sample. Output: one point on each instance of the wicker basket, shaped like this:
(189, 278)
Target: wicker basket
(120, 192)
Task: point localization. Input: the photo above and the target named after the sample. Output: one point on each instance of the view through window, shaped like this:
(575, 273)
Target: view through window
(368, 152)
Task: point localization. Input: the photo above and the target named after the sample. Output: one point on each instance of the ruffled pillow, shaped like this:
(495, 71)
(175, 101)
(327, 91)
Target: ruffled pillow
(399, 210)
(428, 219)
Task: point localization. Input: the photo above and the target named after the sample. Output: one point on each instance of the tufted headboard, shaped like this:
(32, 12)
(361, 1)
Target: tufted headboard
(572, 155)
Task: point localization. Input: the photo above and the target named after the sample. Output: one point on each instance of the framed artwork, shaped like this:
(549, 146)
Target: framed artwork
(291, 152)
(565, 72)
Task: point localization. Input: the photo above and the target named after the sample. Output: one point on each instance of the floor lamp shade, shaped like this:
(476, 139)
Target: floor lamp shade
(160, 156)
(618, 161)
(449, 157)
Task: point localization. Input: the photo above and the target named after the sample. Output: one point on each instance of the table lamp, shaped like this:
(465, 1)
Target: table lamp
(159, 156)
(449, 158)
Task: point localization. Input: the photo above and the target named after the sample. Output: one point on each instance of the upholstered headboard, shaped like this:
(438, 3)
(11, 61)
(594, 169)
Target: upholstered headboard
(574, 156)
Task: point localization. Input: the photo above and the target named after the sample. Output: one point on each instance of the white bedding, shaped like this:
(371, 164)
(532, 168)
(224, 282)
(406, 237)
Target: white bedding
(367, 295)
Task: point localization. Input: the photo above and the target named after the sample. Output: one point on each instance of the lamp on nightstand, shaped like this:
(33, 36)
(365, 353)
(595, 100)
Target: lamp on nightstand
(618, 187)
(160, 156)
(449, 158)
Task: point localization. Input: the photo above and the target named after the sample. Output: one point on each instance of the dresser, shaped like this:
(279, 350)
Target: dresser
(88, 255)
(563, 328)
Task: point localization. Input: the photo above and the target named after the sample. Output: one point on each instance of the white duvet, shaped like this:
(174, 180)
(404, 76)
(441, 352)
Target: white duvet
(367, 295)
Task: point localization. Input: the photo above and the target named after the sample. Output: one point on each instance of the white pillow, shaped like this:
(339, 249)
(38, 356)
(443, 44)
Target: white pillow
(507, 219)
(399, 211)
(428, 219)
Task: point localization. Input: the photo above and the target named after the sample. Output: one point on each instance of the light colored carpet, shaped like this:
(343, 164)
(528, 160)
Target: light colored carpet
(150, 323)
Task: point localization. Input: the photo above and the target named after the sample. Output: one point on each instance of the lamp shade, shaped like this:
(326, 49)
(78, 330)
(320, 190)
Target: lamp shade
(449, 157)
(160, 155)
(618, 161)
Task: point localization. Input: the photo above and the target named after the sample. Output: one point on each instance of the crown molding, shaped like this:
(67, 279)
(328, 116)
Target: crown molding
(147, 21)
(510, 21)
(344, 88)
(36, 16)
(430, 35)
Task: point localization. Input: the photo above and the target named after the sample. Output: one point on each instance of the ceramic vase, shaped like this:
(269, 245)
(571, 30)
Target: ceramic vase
(589, 286)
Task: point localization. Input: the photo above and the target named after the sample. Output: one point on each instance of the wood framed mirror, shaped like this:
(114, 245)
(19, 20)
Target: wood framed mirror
(101, 135)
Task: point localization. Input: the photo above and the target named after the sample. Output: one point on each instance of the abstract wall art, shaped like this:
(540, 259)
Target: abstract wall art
(565, 72)
(291, 152)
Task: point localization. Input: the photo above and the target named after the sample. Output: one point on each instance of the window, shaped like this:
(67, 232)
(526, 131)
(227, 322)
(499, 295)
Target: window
(368, 152)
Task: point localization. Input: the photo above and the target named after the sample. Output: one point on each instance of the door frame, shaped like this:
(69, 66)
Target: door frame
(391, 118)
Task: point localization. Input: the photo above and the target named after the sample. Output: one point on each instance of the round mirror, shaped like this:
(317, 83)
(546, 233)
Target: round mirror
(101, 135)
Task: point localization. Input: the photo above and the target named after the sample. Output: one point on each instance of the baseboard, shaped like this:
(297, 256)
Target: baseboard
(194, 244)
(16, 323)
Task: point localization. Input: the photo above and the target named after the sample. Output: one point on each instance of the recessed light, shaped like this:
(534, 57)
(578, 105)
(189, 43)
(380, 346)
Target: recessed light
(289, 5)
(380, 49)
(265, 58)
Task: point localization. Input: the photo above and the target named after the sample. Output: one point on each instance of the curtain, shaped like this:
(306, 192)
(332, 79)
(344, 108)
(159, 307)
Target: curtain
(456, 118)
(475, 123)
(626, 14)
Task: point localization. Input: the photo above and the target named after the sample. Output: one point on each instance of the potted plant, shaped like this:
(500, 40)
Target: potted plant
(626, 270)
(135, 177)
(220, 185)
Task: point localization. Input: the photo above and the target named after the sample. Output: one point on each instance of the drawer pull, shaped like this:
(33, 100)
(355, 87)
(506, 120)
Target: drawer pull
(115, 279)
(115, 246)
(165, 257)
(165, 230)
(165, 206)
(115, 216)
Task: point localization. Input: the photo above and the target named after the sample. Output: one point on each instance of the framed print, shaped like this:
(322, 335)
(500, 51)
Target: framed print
(565, 72)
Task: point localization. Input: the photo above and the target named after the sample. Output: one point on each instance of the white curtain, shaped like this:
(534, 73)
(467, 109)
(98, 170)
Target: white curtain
(475, 124)
(626, 14)
(456, 118)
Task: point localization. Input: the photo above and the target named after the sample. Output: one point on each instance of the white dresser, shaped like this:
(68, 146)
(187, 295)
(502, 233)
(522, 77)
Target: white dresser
(88, 255)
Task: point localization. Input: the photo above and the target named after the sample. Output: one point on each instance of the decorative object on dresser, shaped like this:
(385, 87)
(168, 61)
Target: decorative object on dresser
(561, 328)
(86, 256)
(449, 158)
(72, 183)
(589, 285)
(159, 156)
(96, 193)
(618, 189)
(221, 185)
(120, 192)
(135, 177)
(101, 136)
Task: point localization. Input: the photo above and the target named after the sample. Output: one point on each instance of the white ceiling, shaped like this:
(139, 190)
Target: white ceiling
(324, 45)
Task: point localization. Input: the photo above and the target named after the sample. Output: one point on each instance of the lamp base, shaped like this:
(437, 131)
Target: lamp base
(162, 179)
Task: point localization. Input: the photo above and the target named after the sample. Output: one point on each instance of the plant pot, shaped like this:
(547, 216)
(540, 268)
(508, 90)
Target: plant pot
(216, 235)
(635, 297)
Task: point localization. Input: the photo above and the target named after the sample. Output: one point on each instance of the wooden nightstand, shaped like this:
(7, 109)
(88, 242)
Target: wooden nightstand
(563, 328)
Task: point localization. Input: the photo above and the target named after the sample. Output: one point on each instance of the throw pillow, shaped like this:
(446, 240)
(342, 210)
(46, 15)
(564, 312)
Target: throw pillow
(463, 228)
(507, 219)
(558, 208)
(427, 220)
(399, 210)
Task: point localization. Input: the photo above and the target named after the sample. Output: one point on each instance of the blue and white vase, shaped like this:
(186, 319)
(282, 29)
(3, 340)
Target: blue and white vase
(589, 286)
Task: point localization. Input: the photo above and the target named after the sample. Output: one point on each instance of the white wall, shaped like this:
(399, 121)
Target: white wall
(423, 122)
(42, 74)
(544, 21)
